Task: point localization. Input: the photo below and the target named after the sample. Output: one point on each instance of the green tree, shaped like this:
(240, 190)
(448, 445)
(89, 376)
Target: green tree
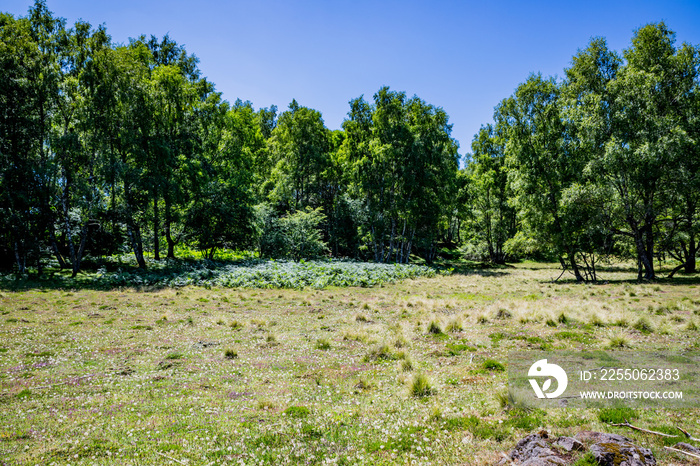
(541, 164)
(299, 145)
(494, 220)
(401, 158)
(648, 118)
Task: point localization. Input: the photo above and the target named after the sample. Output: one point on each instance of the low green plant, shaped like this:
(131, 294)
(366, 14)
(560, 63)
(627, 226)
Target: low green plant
(493, 365)
(323, 344)
(434, 328)
(455, 325)
(381, 353)
(618, 341)
(421, 387)
(617, 414)
(643, 326)
(297, 411)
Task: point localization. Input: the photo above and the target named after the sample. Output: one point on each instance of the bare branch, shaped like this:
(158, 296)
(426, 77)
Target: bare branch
(682, 451)
(690, 437)
(639, 429)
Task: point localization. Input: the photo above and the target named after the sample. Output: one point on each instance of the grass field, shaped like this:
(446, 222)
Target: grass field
(409, 372)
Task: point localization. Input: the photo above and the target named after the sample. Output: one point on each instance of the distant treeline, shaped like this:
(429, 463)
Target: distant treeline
(107, 148)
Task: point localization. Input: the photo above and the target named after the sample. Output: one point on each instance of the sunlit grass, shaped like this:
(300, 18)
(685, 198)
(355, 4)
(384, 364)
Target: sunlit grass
(222, 375)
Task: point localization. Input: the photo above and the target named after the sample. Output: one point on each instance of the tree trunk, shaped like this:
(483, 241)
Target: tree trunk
(574, 267)
(66, 222)
(54, 245)
(156, 225)
(136, 243)
(692, 252)
(81, 250)
(21, 258)
(644, 260)
(168, 235)
(133, 230)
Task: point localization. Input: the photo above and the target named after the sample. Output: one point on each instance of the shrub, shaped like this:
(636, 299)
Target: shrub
(230, 354)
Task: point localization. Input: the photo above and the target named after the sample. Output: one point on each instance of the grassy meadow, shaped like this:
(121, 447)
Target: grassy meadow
(411, 372)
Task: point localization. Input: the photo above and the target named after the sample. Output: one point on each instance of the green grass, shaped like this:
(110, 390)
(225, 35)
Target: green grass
(221, 375)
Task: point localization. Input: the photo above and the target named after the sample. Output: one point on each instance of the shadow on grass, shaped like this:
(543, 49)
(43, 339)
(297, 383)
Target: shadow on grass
(158, 276)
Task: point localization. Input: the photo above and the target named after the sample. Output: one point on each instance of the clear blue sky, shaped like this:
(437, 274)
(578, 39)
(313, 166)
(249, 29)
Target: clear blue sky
(463, 56)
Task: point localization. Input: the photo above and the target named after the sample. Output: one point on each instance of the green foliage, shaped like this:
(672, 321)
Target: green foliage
(587, 460)
(302, 236)
(403, 164)
(297, 411)
(617, 414)
(493, 365)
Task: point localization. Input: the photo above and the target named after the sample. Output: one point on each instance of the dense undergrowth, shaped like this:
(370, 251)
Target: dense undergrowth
(237, 272)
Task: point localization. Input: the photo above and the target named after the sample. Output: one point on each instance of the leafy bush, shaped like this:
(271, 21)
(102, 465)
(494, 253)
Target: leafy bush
(296, 236)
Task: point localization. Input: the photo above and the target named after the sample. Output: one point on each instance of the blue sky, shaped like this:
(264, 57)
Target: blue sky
(462, 56)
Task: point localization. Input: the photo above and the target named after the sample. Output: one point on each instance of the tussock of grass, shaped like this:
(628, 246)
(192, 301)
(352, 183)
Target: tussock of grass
(434, 328)
(455, 325)
(493, 365)
(323, 344)
(266, 405)
(230, 354)
(400, 342)
(381, 353)
(364, 385)
(236, 325)
(618, 341)
(503, 313)
(421, 387)
(596, 321)
(643, 326)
